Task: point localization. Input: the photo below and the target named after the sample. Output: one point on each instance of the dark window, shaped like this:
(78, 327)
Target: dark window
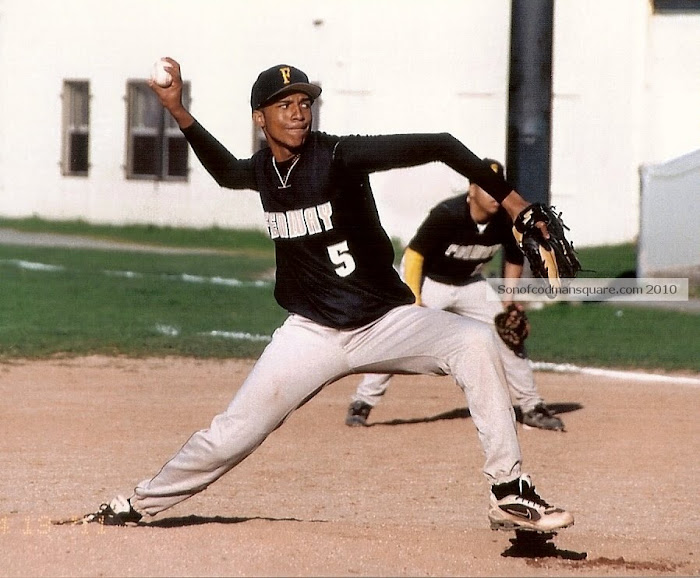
(177, 157)
(78, 157)
(75, 156)
(676, 6)
(156, 149)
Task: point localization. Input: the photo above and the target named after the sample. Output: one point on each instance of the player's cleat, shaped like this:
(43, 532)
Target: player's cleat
(542, 417)
(117, 513)
(358, 412)
(516, 506)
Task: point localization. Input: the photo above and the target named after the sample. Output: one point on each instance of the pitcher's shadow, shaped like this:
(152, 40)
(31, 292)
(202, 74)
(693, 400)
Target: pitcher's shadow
(538, 545)
(194, 520)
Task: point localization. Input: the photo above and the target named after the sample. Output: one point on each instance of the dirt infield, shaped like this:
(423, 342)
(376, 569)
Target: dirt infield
(405, 497)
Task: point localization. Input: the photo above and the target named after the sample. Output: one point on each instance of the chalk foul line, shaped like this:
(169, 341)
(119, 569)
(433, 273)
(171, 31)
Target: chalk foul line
(614, 374)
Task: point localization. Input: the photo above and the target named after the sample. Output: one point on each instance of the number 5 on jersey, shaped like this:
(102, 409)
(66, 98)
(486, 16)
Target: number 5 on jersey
(340, 255)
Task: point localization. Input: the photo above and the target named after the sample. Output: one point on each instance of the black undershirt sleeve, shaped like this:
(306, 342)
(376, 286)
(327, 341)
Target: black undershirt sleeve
(512, 252)
(383, 152)
(226, 169)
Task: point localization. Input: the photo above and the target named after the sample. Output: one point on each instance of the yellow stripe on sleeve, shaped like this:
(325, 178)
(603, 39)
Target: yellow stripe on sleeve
(413, 271)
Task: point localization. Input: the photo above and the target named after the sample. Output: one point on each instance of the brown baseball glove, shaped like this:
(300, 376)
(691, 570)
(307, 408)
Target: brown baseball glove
(513, 327)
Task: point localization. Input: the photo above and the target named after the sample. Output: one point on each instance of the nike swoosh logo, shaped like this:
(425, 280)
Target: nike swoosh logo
(521, 511)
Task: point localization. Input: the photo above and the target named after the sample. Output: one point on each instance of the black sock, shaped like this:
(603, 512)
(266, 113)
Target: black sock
(502, 490)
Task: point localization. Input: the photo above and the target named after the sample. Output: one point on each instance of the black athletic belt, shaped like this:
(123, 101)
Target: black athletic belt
(456, 282)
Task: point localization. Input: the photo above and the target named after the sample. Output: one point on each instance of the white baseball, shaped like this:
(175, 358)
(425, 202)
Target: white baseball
(161, 76)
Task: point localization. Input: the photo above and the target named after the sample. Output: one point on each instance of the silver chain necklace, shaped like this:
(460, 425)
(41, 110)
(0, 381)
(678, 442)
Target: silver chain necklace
(284, 180)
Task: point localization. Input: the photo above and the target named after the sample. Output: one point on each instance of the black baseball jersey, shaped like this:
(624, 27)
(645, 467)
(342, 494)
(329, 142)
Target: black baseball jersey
(455, 249)
(334, 260)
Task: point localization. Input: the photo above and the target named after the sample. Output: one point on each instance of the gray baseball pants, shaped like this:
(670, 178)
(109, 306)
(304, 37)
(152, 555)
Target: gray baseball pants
(303, 357)
(478, 301)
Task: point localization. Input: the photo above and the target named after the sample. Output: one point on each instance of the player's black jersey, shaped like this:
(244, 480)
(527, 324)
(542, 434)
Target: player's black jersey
(453, 247)
(334, 260)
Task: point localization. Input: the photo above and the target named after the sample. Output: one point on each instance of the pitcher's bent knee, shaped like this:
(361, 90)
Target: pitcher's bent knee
(480, 336)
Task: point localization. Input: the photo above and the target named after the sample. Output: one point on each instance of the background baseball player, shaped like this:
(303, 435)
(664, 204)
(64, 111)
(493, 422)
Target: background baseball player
(442, 265)
(349, 312)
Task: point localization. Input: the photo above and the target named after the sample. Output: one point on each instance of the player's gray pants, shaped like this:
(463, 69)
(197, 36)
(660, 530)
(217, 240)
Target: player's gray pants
(303, 357)
(479, 301)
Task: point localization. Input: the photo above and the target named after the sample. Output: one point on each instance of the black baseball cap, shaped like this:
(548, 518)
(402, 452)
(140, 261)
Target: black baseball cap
(279, 80)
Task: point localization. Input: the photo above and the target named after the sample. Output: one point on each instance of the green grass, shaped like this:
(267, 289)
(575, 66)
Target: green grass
(608, 335)
(602, 335)
(127, 303)
(142, 304)
(608, 261)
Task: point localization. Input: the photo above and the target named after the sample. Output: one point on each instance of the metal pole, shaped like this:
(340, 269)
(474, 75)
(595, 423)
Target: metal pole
(530, 98)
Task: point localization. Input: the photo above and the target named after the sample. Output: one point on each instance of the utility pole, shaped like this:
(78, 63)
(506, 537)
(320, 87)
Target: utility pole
(528, 159)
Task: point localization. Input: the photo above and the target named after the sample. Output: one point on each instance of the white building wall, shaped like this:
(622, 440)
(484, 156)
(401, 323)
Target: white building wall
(626, 87)
(672, 113)
(598, 85)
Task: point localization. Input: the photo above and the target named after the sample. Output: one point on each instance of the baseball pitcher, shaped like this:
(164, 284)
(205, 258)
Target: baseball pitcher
(349, 311)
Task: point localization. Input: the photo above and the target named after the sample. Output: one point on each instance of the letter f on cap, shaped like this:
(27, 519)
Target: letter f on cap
(286, 73)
